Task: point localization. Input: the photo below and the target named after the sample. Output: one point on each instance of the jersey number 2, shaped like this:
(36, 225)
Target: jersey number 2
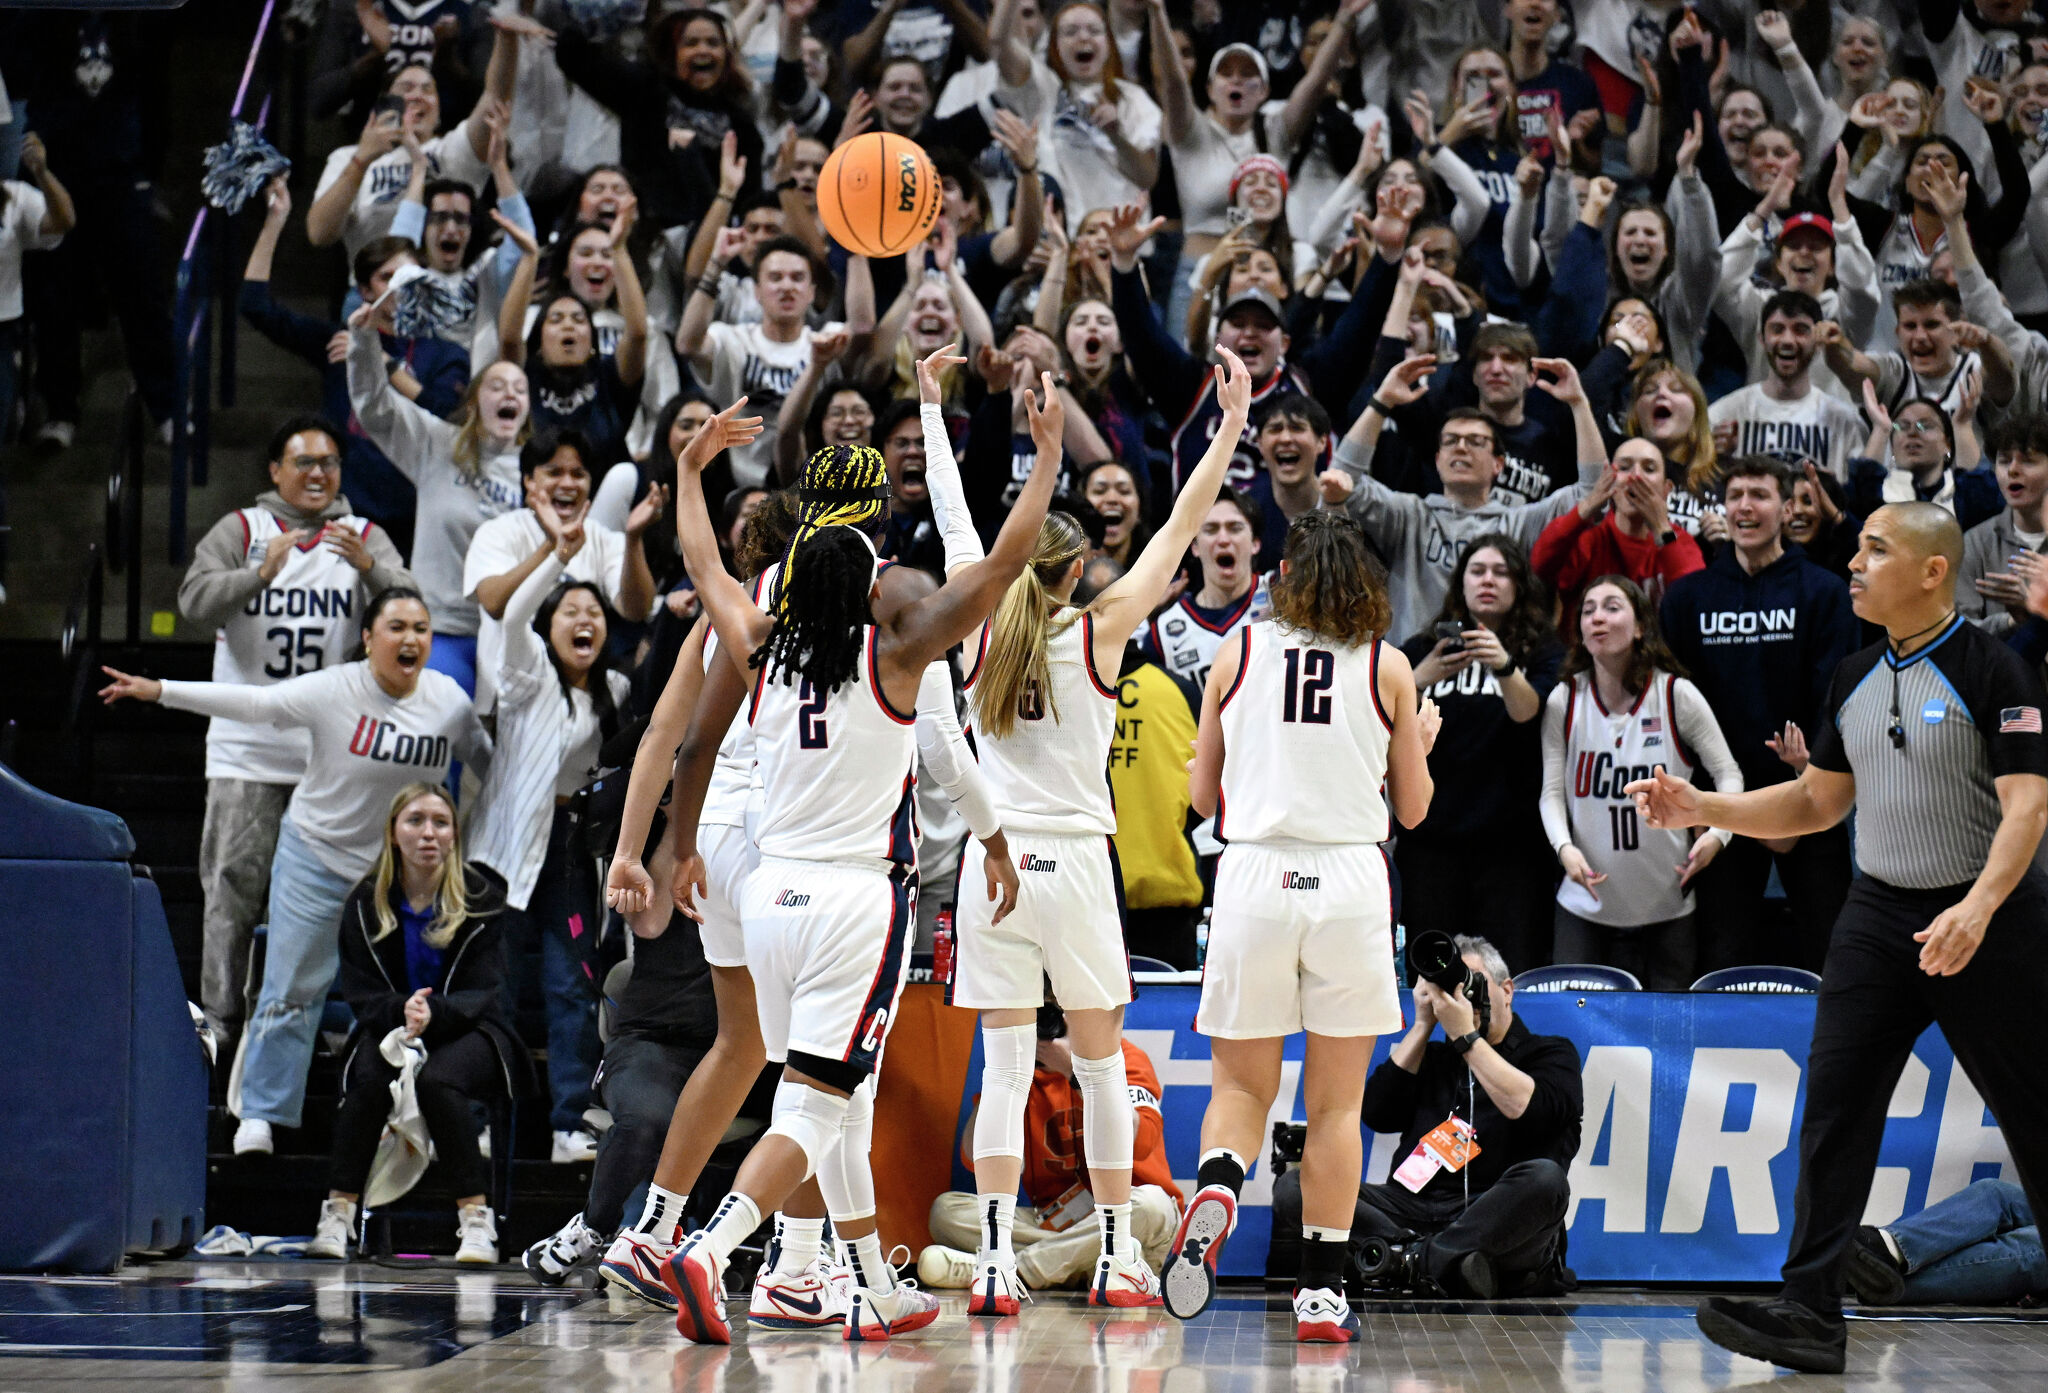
(1310, 671)
(810, 716)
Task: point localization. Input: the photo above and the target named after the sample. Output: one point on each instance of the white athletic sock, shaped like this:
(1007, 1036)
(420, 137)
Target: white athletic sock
(1316, 1233)
(1115, 1222)
(870, 1269)
(997, 1216)
(732, 1225)
(662, 1215)
(797, 1243)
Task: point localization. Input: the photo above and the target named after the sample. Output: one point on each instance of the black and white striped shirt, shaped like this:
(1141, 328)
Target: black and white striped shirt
(1969, 711)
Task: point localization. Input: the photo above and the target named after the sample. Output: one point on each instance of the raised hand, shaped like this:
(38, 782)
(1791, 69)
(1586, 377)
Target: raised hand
(1567, 388)
(1949, 193)
(1880, 419)
(1599, 195)
(1529, 176)
(1822, 501)
(1985, 100)
(995, 367)
(1774, 29)
(1019, 139)
(647, 511)
(860, 114)
(1789, 745)
(277, 550)
(1869, 110)
(518, 235)
(1335, 486)
(1128, 231)
(930, 366)
(277, 202)
(1049, 420)
(1689, 146)
(732, 166)
(522, 26)
(623, 220)
(1407, 381)
(726, 247)
(1234, 392)
(381, 134)
(1421, 118)
(828, 346)
(722, 432)
(1838, 186)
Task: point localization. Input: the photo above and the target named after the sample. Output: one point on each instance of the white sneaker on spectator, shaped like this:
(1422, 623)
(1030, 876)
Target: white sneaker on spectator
(552, 1258)
(56, 435)
(252, 1136)
(337, 1226)
(943, 1268)
(574, 1146)
(477, 1228)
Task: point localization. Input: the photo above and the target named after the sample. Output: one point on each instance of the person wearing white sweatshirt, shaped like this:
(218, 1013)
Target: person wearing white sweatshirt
(465, 472)
(375, 725)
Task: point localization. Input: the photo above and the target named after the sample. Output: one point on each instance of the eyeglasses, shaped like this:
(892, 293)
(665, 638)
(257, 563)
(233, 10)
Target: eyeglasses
(1915, 427)
(1470, 442)
(449, 215)
(316, 464)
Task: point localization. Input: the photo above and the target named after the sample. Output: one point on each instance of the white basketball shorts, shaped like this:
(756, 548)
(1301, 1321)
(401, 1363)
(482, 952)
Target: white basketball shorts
(1068, 925)
(828, 946)
(730, 856)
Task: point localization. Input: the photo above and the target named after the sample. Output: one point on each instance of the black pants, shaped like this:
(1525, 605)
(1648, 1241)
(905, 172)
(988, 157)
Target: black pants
(1508, 905)
(456, 1072)
(639, 1081)
(1166, 934)
(119, 243)
(1660, 955)
(1874, 1003)
(1518, 1221)
(1734, 928)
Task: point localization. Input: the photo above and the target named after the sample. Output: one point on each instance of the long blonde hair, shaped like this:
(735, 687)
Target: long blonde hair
(451, 886)
(468, 452)
(1023, 626)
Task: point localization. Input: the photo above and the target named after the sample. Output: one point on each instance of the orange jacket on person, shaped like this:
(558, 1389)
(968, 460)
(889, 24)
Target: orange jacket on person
(1054, 1161)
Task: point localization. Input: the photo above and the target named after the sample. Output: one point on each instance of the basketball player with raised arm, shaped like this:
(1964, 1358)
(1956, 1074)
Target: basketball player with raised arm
(800, 1286)
(1304, 720)
(826, 916)
(1043, 686)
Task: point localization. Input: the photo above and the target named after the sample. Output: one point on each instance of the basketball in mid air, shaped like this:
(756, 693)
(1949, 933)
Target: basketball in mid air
(879, 194)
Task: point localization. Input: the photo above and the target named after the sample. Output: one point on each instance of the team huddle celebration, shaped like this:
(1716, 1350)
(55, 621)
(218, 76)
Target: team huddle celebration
(796, 517)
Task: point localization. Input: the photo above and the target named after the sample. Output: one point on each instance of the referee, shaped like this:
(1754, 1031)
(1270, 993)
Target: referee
(1939, 732)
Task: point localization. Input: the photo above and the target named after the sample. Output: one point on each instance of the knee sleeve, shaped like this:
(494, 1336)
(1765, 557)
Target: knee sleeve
(1109, 1128)
(810, 1117)
(844, 1176)
(1008, 1053)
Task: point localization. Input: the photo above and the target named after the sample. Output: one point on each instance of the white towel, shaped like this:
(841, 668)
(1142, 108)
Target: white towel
(402, 1152)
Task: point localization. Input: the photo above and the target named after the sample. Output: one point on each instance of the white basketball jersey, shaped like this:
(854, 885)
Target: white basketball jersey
(1304, 742)
(735, 785)
(1051, 772)
(1605, 752)
(305, 619)
(1187, 641)
(837, 769)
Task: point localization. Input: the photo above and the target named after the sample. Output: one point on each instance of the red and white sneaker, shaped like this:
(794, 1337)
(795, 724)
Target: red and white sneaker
(633, 1264)
(1188, 1279)
(692, 1276)
(800, 1300)
(1323, 1317)
(876, 1315)
(1123, 1284)
(995, 1289)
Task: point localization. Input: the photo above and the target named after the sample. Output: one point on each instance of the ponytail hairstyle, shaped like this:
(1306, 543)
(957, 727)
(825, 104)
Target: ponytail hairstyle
(842, 486)
(598, 681)
(1330, 586)
(1022, 626)
(451, 886)
(822, 612)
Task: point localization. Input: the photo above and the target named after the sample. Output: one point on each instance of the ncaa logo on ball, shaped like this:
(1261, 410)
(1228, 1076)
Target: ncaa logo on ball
(906, 183)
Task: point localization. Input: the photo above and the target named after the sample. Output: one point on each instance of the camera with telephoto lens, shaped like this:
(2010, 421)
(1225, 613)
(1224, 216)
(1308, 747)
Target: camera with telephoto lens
(1288, 1140)
(1433, 958)
(1390, 1266)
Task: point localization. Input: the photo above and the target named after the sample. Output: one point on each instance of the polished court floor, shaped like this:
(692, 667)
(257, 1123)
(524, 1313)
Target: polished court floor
(261, 1326)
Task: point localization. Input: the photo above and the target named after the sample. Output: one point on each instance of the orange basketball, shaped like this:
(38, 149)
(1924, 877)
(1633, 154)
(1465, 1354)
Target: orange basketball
(879, 194)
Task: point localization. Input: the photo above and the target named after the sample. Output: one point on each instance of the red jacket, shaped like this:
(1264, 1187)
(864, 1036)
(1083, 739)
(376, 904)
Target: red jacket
(1572, 553)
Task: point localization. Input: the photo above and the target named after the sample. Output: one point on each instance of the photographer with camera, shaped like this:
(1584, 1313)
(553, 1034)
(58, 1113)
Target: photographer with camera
(1489, 1121)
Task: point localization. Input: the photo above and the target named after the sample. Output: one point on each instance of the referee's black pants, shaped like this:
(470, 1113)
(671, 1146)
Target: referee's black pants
(1874, 1003)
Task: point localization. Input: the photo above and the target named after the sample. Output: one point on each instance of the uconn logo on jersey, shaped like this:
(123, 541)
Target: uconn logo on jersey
(1732, 625)
(767, 380)
(1602, 776)
(790, 899)
(1295, 880)
(300, 603)
(1789, 440)
(385, 743)
(1029, 862)
(389, 178)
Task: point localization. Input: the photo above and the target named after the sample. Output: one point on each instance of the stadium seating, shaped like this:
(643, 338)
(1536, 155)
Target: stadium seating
(1759, 979)
(1577, 977)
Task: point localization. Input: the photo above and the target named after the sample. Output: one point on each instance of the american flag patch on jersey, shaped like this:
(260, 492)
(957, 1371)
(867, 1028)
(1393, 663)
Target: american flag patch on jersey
(2020, 720)
(1653, 725)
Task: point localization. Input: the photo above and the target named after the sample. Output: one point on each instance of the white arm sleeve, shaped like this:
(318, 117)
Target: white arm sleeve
(945, 753)
(1557, 822)
(1699, 729)
(948, 494)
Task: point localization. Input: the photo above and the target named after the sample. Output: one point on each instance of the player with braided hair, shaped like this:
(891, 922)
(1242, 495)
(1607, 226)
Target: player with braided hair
(827, 914)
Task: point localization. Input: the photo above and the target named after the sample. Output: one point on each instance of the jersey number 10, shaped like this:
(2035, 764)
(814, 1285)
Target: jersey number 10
(1310, 671)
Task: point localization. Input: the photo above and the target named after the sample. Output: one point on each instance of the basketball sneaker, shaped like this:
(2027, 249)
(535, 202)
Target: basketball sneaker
(993, 1289)
(634, 1265)
(692, 1277)
(554, 1257)
(1323, 1317)
(337, 1226)
(1123, 1284)
(476, 1232)
(877, 1315)
(1188, 1278)
(818, 1295)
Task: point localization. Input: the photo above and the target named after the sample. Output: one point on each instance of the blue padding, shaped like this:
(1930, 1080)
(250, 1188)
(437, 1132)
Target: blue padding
(167, 1122)
(36, 826)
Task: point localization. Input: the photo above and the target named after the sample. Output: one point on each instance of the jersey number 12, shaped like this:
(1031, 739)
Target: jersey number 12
(1310, 672)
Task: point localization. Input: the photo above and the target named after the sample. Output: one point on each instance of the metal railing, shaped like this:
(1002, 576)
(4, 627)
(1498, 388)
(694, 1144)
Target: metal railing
(203, 321)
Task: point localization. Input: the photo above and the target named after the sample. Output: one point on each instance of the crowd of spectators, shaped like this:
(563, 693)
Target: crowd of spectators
(1607, 322)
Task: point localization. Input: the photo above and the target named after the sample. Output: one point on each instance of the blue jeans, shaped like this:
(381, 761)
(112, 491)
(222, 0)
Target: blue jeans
(559, 926)
(455, 654)
(298, 968)
(1978, 1247)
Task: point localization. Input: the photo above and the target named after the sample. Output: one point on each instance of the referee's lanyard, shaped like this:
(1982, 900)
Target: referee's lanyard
(1897, 729)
